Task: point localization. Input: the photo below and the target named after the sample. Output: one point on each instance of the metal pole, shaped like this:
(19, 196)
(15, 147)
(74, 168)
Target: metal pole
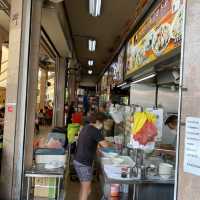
(58, 190)
(180, 102)
(28, 188)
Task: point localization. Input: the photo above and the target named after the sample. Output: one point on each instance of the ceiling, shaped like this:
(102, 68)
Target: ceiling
(52, 26)
(4, 20)
(115, 16)
(105, 29)
(4, 14)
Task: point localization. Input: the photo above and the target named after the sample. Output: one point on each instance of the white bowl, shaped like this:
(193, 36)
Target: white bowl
(117, 161)
(110, 155)
(165, 177)
(165, 166)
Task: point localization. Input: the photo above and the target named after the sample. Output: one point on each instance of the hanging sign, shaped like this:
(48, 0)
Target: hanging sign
(159, 112)
(116, 70)
(159, 34)
(192, 146)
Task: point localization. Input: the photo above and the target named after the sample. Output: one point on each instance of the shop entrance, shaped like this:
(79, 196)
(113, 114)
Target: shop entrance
(63, 63)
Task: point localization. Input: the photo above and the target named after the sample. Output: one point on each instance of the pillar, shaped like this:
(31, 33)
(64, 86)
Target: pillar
(21, 95)
(72, 80)
(14, 135)
(33, 79)
(188, 184)
(59, 92)
(43, 86)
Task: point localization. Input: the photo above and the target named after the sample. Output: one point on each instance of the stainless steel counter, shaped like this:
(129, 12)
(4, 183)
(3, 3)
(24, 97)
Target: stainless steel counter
(134, 180)
(152, 188)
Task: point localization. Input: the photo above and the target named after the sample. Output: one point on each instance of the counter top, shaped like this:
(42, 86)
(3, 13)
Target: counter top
(41, 171)
(116, 179)
(134, 180)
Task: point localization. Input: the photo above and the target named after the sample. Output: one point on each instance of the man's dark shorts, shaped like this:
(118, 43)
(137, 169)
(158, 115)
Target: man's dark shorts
(84, 172)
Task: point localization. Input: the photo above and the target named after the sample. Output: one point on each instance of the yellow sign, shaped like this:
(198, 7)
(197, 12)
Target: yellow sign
(159, 34)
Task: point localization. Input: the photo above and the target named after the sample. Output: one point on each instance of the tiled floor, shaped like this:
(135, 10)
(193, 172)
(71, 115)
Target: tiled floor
(44, 130)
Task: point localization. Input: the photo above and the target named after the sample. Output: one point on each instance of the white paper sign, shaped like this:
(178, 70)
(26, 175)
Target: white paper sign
(192, 146)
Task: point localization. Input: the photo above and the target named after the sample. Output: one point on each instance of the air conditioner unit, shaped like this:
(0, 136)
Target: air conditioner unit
(56, 1)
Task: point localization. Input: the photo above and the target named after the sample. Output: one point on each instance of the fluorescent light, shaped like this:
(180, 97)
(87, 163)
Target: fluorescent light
(90, 71)
(91, 7)
(98, 7)
(56, 1)
(90, 62)
(143, 79)
(92, 45)
(123, 84)
(95, 7)
(126, 86)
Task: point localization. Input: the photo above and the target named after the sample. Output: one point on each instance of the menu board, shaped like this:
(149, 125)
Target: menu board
(159, 34)
(120, 65)
(192, 146)
(104, 81)
(116, 70)
(113, 73)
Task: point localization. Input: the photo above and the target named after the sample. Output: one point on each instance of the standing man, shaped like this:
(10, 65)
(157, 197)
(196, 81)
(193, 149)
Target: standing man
(89, 138)
(85, 103)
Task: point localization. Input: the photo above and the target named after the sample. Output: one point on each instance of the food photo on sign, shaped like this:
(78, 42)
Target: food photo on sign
(148, 44)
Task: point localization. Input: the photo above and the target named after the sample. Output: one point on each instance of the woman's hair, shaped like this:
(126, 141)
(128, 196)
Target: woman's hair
(171, 119)
(94, 117)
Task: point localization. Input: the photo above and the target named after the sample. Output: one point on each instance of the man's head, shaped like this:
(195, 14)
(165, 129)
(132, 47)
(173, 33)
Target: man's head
(97, 119)
(171, 122)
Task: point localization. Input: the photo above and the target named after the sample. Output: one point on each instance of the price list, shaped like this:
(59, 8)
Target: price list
(192, 146)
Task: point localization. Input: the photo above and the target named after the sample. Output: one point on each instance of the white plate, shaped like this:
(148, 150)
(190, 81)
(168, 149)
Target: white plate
(165, 177)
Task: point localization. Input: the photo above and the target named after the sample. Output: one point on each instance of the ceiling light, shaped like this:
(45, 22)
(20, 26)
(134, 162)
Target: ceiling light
(126, 86)
(90, 62)
(56, 1)
(95, 7)
(90, 71)
(121, 85)
(92, 45)
(143, 79)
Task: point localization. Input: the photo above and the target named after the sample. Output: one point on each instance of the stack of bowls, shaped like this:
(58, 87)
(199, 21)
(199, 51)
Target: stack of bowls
(165, 170)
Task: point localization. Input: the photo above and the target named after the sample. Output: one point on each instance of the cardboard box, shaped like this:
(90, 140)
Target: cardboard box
(45, 187)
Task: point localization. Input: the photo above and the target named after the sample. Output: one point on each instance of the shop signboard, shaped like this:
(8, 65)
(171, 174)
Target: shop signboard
(192, 146)
(116, 69)
(104, 81)
(158, 35)
(120, 67)
(112, 74)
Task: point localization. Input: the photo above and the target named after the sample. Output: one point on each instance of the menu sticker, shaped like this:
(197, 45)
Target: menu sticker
(159, 122)
(192, 146)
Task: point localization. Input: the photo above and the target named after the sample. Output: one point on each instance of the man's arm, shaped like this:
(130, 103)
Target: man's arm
(104, 144)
